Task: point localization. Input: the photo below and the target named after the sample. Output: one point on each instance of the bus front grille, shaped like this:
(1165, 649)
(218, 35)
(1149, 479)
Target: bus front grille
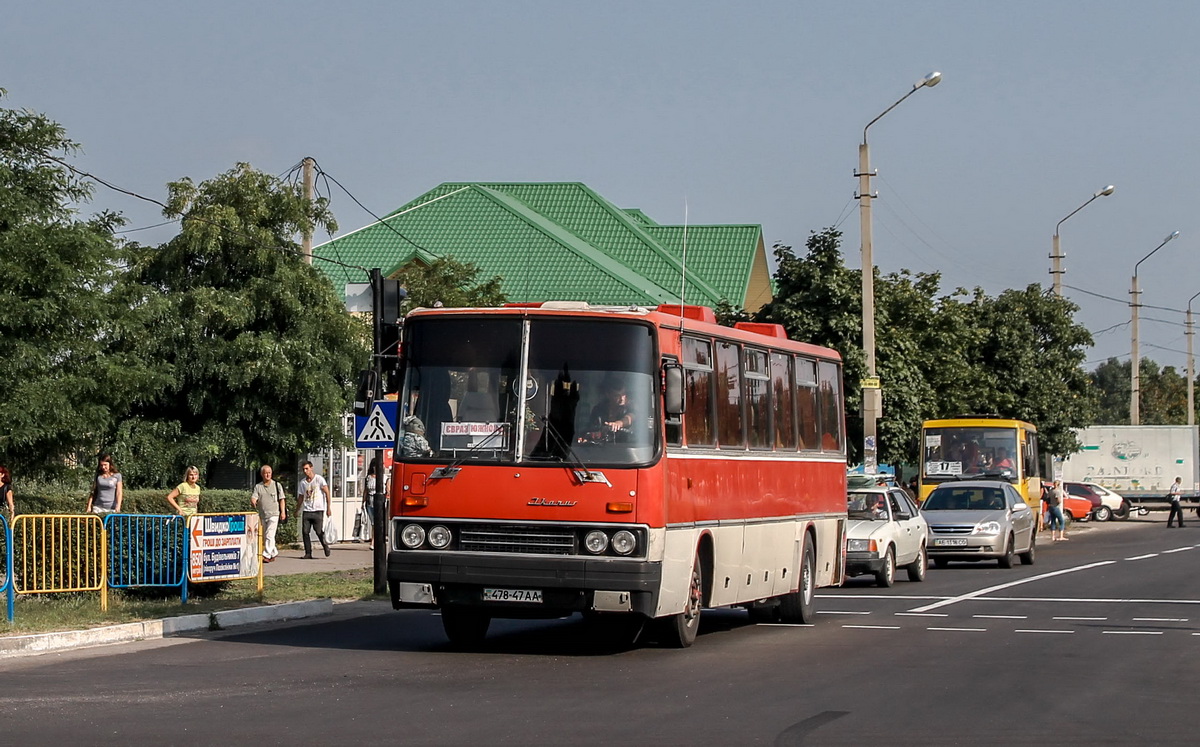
(516, 538)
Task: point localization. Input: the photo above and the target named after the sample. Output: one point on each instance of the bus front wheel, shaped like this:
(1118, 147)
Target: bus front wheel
(465, 627)
(679, 631)
(798, 607)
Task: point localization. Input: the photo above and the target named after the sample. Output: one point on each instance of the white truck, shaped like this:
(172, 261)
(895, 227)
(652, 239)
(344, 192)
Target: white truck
(1138, 461)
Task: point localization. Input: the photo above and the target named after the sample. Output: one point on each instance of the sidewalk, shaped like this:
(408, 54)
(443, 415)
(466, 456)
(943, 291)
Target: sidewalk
(343, 556)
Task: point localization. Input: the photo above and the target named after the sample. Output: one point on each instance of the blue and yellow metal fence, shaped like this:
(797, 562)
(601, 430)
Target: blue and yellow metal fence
(7, 586)
(49, 553)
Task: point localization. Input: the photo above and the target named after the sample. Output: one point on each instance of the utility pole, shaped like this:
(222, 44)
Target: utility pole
(310, 187)
(378, 499)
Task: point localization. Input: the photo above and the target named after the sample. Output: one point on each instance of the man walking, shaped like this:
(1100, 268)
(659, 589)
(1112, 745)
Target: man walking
(1175, 495)
(314, 505)
(272, 508)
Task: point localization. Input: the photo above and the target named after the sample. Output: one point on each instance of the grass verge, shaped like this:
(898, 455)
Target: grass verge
(44, 613)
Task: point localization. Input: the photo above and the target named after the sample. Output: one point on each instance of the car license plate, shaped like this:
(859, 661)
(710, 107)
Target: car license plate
(513, 595)
(951, 542)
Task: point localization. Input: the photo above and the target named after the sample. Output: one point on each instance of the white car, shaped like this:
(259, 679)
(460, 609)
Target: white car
(885, 531)
(1112, 505)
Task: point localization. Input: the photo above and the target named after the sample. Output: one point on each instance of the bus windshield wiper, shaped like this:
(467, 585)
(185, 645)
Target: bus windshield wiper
(453, 468)
(582, 473)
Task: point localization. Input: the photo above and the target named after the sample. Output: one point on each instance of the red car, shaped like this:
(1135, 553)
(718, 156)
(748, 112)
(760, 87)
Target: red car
(1078, 507)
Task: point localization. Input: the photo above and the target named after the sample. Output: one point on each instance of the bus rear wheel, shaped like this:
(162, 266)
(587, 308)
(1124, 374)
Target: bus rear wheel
(797, 607)
(679, 631)
(465, 627)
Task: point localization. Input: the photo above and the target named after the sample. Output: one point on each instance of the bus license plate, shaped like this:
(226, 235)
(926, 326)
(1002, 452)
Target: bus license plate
(513, 595)
(953, 542)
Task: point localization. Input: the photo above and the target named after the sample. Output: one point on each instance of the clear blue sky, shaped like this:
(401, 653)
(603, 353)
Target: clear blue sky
(746, 113)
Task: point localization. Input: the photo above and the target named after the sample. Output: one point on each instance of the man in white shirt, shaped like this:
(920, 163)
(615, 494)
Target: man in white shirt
(314, 505)
(1175, 495)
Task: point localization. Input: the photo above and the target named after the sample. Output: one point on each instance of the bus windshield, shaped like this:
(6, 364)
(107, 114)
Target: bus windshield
(588, 394)
(951, 452)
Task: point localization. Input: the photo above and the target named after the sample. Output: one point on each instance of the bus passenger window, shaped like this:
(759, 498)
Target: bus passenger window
(697, 395)
(756, 384)
(729, 397)
(831, 411)
(806, 402)
(784, 419)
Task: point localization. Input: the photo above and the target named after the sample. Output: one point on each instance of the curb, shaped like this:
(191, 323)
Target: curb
(40, 643)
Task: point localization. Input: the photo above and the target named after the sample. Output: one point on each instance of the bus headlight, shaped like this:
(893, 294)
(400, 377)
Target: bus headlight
(439, 537)
(623, 542)
(412, 536)
(596, 542)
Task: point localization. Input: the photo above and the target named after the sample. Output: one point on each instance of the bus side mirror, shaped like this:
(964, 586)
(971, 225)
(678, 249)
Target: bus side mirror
(673, 388)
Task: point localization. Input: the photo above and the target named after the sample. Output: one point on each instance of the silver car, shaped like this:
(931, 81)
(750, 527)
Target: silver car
(978, 520)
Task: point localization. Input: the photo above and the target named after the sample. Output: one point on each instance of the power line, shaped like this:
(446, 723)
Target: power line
(147, 228)
(198, 219)
(379, 220)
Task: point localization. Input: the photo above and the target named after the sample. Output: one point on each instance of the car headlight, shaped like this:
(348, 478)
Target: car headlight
(412, 536)
(596, 542)
(439, 537)
(623, 542)
(988, 527)
(857, 545)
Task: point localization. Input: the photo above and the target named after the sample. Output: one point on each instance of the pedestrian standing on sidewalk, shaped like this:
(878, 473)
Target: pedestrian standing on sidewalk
(1053, 498)
(185, 498)
(107, 488)
(272, 509)
(314, 505)
(6, 494)
(1175, 495)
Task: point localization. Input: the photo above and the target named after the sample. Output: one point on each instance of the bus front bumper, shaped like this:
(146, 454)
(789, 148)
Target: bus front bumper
(561, 585)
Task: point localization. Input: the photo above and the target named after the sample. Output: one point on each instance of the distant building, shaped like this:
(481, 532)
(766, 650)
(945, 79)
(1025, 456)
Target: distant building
(561, 241)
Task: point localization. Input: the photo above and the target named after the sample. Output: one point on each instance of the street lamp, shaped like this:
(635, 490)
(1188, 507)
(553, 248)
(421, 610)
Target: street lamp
(1134, 361)
(1056, 269)
(1190, 330)
(872, 399)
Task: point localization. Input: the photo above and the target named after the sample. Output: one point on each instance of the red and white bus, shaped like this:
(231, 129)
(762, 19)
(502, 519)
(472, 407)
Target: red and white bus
(613, 461)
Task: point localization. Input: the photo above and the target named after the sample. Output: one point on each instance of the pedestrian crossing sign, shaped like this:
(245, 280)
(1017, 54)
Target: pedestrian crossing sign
(377, 429)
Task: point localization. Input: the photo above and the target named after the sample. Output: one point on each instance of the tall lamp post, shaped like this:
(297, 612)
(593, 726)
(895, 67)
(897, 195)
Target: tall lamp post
(1135, 417)
(1190, 331)
(872, 396)
(1056, 255)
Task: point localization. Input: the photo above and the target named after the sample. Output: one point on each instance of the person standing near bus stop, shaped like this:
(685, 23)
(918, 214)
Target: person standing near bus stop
(314, 505)
(272, 509)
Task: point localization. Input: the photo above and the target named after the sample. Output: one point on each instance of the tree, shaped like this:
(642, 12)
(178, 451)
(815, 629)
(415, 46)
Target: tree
(261, 352)
(448, 282)
(62, 385)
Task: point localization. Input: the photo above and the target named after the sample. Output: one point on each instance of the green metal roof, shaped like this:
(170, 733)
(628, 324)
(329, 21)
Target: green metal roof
(551, 241)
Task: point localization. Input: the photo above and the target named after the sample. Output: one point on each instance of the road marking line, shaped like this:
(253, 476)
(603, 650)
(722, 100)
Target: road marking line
(785, 625)
(921, 614)
(961, 630)
(919, 597)
(841, 612)
(1161, 619)
(998, 587)
(1002, 617)
(1177, 549)
(1143, 557)
(1024, 630)
(873, 627)
(1132, 632)
(1082, 619)
(1090, 600)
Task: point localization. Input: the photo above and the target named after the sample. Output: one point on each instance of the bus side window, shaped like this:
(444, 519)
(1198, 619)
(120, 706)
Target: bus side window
(757, 386)
(697, 394)
(729, 397)
(831, 412)
(783, 414)
(806, 402)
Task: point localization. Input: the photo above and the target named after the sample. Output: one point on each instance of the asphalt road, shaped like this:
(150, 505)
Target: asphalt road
(1097, 643)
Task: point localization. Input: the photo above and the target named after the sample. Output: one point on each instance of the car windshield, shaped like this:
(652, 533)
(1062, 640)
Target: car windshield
(965, 498)
(868, 506)
(588, 394)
